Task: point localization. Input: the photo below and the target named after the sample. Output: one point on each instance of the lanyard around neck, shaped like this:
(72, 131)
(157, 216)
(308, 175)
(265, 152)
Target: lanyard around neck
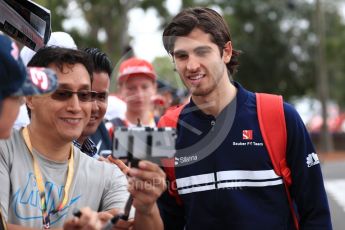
(40, 183)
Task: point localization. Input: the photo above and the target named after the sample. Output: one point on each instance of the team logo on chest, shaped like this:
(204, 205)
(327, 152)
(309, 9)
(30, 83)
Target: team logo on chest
(247, 134)
(247, 139)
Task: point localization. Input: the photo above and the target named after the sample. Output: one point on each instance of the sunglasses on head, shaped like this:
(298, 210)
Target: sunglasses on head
(65, 94)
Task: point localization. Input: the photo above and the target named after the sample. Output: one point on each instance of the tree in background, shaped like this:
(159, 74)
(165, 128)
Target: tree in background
(277, 38)
(335, 55)
(274, 41)
(58, 12)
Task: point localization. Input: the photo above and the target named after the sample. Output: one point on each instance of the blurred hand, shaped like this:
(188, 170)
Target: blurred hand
(121, 224)
(124, 168)
(91, 220)
(87, 221)
(100, 158)
(146, 184)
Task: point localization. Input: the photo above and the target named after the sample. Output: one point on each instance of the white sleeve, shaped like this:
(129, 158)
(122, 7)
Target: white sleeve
(115, 193)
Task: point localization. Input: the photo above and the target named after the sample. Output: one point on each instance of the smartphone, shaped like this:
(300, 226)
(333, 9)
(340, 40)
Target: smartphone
(144, 143)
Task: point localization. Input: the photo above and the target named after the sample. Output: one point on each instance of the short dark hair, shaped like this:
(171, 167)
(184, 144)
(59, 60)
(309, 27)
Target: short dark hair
(59, 57)
(101, 62)
(207, 20)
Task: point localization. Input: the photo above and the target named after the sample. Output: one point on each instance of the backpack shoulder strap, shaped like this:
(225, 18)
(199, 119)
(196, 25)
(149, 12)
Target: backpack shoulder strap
(272, 124)
(170, 119)
(273, 128)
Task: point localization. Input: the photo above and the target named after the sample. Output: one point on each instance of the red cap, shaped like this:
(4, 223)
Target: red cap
(133, 67)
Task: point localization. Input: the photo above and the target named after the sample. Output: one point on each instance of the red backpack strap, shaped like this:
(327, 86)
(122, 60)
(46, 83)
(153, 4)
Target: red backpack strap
(271, 117)
(170, 119)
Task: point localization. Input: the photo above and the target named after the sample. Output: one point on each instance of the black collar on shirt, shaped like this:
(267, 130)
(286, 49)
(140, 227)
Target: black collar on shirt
(87, 147)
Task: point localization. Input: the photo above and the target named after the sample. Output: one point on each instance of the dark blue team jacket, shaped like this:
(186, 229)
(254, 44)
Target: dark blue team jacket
(225, 177)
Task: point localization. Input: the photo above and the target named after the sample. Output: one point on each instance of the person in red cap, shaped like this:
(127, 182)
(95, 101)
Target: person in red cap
(137, 85)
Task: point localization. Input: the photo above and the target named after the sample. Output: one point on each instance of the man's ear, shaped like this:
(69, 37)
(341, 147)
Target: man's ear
(227, 52)
(173, 63)
(29, 102)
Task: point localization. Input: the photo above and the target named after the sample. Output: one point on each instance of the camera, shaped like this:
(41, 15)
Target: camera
(144, 143)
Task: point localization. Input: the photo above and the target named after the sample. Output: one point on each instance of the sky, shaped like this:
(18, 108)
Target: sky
(147, 41)
(143, 27)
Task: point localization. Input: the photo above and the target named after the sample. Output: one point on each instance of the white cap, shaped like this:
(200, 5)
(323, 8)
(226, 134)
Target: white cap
(60, 39)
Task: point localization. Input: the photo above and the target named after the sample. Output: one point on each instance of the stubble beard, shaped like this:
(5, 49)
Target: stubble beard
(198, 91)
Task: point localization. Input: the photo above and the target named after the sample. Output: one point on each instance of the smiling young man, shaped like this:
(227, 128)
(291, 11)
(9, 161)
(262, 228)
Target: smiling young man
(45, 179)
(94, 138)
(222, 176)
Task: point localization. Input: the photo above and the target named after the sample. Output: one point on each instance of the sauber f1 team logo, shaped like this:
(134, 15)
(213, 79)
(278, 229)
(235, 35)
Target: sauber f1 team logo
(247, 135)
(247, 140)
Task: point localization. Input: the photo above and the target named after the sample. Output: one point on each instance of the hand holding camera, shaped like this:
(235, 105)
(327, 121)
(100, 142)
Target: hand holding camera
(138, 146)
(144, 143)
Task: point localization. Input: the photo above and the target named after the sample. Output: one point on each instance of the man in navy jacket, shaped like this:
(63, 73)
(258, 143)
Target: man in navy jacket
(224, 177)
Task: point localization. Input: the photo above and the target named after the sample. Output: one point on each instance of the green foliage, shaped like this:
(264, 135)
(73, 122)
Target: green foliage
(278, 40)
(270, 36)
(335, 54)
(279, 43)
(58, 12)
(109, 17)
